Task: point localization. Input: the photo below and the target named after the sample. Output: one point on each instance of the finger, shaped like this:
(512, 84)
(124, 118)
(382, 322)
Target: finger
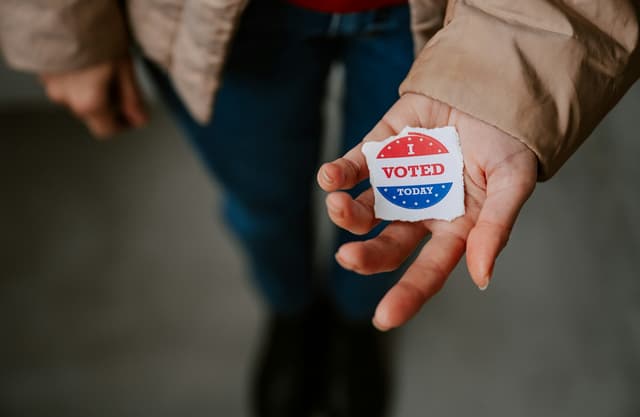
(383, 253)
(55, 92)
(356, 216)
(506, 193)
(92, 104)
(423, 279)
(411, 110)
(103, 124)
(92, 99)
(346, 172)
(131, 102)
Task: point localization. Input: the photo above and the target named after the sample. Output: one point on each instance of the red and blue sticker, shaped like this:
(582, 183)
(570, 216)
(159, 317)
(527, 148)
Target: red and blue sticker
(417, 196)
(414, 172)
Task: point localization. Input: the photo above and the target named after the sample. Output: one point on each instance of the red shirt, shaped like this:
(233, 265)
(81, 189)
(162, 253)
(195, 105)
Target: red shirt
(345, 6)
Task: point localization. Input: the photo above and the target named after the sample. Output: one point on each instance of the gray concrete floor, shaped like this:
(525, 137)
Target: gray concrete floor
(122, 294)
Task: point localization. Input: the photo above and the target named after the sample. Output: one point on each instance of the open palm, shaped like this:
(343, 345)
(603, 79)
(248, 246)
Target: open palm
(500, 174)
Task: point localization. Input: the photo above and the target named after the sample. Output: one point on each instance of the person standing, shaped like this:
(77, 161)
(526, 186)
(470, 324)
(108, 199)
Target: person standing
(524, 82)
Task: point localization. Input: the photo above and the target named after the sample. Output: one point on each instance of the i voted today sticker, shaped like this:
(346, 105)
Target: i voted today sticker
(417, 175)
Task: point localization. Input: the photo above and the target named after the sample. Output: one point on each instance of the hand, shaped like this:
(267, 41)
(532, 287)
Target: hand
(105, 96)
(500, 174)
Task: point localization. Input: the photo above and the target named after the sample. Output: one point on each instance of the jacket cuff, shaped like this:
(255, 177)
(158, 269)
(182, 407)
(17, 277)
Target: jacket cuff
(546, 80)
(49, 36)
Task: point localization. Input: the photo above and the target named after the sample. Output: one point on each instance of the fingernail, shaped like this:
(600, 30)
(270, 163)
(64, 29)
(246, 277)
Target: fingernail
(487, 279)
(326, 177)
(333, 210)
(340, 259)
(378, 325)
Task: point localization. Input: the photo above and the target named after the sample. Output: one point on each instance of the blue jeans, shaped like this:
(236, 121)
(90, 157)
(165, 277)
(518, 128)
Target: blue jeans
(263, 141)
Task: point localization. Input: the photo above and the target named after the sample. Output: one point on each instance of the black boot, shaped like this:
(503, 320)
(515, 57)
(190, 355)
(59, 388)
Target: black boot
(360, 370)
(290, 376)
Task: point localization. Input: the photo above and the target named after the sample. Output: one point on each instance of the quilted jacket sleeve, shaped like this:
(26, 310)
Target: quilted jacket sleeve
(59, 35)
(544, 71)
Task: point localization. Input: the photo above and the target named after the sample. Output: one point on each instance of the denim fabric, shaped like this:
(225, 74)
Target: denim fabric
(263, 141)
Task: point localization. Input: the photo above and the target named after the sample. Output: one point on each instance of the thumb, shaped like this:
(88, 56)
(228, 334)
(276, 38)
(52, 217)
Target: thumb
(131, 102)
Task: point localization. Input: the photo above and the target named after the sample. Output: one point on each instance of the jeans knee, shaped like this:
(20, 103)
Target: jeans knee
(261, 223)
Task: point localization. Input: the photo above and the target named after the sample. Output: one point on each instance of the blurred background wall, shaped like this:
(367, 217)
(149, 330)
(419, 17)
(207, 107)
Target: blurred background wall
(122, 294)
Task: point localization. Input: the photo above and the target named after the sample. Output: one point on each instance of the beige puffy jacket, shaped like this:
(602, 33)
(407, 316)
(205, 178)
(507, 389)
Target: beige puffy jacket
(544, 71)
